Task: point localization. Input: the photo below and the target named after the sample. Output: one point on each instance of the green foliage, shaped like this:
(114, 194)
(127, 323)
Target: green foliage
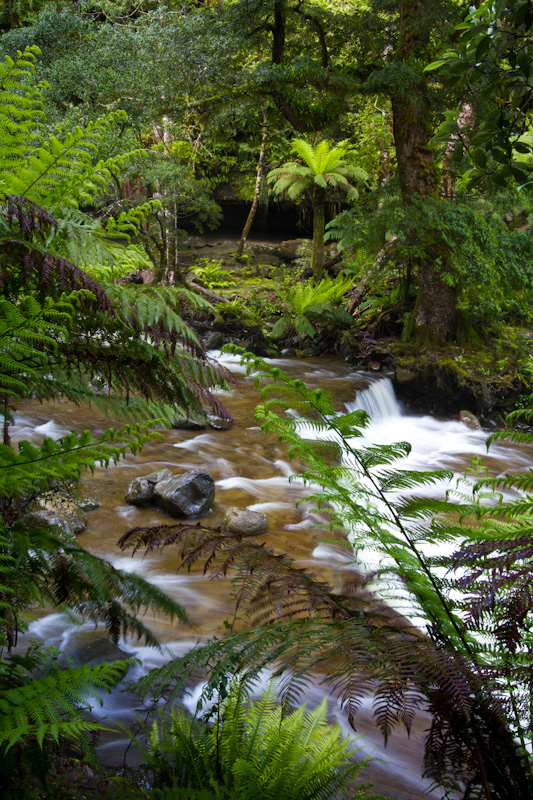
(51, 706)
(481, 243)
(490, 64)
(60, 175)
(306, 301)
(53, 173)
(18, 12)
(253, 749)
(34, 468)
(211, 274)
(324, 166)
(137, 341)
(41, 708)
(63, 334)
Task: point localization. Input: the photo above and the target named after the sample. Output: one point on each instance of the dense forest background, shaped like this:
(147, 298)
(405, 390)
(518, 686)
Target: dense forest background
(400, 133)
(202, 86)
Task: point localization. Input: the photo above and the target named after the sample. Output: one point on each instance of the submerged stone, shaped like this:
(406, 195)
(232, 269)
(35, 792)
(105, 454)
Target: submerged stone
(90, 647)
(219, 423)
(247, 523)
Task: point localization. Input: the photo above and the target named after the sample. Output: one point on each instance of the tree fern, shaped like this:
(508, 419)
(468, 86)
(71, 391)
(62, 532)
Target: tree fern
(325, 168)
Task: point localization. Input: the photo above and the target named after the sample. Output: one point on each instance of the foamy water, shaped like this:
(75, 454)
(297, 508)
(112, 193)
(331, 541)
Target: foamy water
(252, 471)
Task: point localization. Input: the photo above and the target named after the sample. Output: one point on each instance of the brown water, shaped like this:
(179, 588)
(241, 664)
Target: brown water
(250, 471)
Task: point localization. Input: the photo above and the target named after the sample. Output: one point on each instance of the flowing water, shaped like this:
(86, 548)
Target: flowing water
(251, 471)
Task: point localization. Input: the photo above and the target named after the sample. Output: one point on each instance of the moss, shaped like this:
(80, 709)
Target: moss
(466, 333)
(452, 368)
(399, 349)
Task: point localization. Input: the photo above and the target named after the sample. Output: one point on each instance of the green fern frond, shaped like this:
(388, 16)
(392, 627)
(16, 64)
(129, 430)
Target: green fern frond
(253, 749)
(51, 706)
(304, 328)
(62, 460)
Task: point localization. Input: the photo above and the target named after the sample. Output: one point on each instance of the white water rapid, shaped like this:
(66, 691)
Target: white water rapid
(252, 471)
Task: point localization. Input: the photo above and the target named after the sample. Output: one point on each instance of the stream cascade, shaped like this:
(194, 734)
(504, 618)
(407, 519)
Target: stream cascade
(251, 471)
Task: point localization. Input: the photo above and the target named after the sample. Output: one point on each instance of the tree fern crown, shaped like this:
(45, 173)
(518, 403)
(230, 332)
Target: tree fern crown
(324, 165)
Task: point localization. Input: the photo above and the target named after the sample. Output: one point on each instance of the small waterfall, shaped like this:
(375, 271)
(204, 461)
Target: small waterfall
(379, 401)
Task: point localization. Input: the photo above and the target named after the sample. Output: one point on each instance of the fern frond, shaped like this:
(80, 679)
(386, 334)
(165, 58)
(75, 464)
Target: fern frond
(51, 706)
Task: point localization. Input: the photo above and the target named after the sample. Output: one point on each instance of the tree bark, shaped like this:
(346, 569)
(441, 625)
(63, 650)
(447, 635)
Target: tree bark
(435, 316)
(255, 202)
(279, 31)
(319, 212)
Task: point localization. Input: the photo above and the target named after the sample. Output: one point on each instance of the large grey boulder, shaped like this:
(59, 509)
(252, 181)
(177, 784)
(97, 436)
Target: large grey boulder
(57, 509)
(214, 340)
(247, 523)
(141, 490)
(188, 495)
(265, 250)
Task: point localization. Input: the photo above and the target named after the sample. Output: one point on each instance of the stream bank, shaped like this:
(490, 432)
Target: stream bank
(488, 378)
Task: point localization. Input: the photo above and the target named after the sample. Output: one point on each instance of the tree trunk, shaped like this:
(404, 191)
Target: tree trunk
(279, 31)
(435, 316)
(255, 202)
(171, 259)
(319, 211)
(172, 272)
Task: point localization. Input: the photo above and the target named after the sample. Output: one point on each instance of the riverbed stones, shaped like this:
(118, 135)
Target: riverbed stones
(470, 420)
(90, 647)
(186, 496)
(141, 490)
(57, 509)
(244, 522)
(88, 503)
(218, 423)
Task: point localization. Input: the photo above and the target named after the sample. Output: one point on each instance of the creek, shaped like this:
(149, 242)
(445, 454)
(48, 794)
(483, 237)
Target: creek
(252, 471)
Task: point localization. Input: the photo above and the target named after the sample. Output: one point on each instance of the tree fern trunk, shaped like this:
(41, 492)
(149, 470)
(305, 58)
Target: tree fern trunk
(319, 209)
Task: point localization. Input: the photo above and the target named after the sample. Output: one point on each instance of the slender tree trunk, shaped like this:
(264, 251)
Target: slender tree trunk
(172, 273)
(319, 212)
(435, 315)
(14, 20)
(255, 202)
(171, 258)
(169, 271)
